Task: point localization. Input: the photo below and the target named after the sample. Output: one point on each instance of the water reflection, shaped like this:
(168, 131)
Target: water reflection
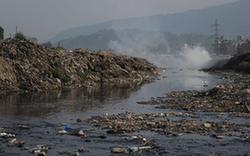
(74, 103)
(43, 104)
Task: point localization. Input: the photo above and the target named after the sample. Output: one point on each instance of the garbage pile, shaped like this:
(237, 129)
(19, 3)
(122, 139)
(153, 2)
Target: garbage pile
(233, 96)
(28, 66)
(238, 63)
(160, 123)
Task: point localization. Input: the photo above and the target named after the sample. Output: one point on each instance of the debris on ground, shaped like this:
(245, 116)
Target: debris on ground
(28, 66)
(133, 149)
(68, 130)
(7, 135)
(130, 122)
(233, 96)
(16, 142)
(23, 126)
(40, 150)
(119, 150)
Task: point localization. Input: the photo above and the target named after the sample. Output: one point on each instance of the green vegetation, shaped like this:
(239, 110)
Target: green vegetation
(243, 66)
(20, 36)
(1, 33)
(60, 74)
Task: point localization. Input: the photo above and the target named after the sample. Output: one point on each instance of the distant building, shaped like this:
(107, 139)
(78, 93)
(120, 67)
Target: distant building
(1, 33)
(243, 47)
(239, 45)
(227, 47)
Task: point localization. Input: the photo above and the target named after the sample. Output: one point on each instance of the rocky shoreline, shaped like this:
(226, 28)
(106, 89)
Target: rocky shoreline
(27, 66)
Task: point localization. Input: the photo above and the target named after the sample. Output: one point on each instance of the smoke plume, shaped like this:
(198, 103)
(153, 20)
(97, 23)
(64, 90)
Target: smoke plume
(195, 57)
(154, 47)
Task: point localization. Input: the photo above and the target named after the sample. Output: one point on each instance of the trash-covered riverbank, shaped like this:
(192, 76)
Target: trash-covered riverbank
(113, 124)
(232, 96)
(238, 63)
(221, 113)
(79, 138)
(166, 133)
(28, 66)
(160, 123)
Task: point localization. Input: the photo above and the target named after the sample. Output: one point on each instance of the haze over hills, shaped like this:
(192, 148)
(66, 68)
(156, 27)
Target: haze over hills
(233, 17)
(139, 40)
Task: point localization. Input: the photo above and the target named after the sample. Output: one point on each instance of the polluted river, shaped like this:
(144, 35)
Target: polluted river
(75, 121)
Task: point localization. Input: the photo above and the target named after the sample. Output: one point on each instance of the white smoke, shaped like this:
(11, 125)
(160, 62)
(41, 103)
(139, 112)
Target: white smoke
(149, 45)
(135, 41)
(154, 48)
(195, 57)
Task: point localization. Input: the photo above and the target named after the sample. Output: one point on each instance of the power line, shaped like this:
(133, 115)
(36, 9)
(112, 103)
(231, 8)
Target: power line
(216, 26)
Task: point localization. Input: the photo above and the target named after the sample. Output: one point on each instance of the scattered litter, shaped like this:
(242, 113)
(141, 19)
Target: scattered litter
(23, 126)
(119, 150)
(40, 150)
(207, 125)
(7, 135)
(15, 142)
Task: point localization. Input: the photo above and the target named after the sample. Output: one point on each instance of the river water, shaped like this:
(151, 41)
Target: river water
(66, 105)
(47, 111)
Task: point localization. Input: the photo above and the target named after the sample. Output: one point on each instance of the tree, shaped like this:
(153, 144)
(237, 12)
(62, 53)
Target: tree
(20, 36)
(1, 33)
(48, 44)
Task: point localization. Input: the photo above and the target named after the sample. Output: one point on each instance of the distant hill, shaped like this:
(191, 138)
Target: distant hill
(138, 40)
(95, 41)
(233, 17)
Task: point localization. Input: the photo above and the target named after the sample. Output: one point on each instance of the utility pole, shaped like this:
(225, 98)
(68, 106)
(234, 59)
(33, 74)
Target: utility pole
(216, 37)
(16, 29)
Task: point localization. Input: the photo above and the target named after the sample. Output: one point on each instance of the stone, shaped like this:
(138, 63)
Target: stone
(207, 125)
(118, 150)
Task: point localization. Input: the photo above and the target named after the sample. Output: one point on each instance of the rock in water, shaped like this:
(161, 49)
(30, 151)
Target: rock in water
(207, 125)
(118, 150)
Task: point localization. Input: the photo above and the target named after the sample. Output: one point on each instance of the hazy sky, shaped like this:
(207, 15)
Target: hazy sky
(45, 18)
